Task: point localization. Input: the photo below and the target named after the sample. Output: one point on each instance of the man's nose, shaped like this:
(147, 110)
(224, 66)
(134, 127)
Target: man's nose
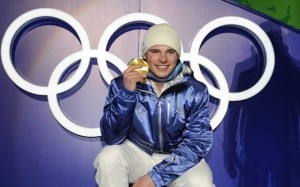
(163, 57)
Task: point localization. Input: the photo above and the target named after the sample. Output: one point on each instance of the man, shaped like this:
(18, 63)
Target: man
(156, 127)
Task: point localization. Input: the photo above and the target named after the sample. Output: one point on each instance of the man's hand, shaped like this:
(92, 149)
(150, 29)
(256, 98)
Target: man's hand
(144, 181)
(131, 77)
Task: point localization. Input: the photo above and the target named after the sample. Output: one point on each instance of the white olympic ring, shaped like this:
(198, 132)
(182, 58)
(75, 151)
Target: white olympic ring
(55, 87)
(262, 39)
(16, 27)
(112, 28)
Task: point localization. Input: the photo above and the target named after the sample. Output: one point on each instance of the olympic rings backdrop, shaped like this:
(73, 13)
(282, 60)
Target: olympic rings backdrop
(57, 60)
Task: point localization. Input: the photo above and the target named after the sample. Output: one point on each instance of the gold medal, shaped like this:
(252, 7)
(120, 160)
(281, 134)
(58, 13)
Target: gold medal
(143, 70)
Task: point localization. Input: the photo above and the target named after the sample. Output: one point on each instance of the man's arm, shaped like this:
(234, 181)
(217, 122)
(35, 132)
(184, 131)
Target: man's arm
(119, 106)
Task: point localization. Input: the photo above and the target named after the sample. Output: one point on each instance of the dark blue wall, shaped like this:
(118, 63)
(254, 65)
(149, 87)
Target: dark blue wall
(257, 143)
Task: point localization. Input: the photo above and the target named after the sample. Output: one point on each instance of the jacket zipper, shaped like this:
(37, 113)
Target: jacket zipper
(159, 118)
(159, 121)
(174, 158)
(168, 111)
(160, 126)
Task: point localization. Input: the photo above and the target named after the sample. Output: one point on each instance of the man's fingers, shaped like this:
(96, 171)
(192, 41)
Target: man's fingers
(132, 68)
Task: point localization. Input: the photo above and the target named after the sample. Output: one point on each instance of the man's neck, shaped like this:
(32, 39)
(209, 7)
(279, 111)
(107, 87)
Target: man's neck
(159, 86)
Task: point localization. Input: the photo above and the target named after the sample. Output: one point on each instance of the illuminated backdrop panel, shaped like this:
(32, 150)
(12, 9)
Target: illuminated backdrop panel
(69, 54)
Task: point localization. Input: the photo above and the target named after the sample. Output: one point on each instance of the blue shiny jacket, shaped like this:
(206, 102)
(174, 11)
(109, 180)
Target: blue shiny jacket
(175, 122)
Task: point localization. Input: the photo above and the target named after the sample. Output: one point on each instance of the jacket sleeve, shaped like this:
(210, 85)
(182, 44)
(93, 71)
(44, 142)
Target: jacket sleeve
(197, 140)
(117, 113)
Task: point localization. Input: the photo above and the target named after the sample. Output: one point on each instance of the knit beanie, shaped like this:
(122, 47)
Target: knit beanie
(161, 34)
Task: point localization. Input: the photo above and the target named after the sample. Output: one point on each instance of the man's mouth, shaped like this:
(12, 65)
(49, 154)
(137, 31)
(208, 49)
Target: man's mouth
(162, 67)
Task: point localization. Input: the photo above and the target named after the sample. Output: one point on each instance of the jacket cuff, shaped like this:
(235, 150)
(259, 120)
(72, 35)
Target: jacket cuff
(127, 95)
(156, 178)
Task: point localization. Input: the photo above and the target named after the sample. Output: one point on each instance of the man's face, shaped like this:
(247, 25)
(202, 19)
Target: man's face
(162, 60)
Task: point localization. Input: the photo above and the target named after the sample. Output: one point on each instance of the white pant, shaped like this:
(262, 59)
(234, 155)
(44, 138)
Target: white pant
(118, 165)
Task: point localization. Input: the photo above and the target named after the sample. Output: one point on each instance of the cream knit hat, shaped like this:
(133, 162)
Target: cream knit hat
(161, 34)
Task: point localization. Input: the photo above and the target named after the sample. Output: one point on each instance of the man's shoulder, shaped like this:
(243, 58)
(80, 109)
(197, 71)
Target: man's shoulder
(196, 83)
(117, 80)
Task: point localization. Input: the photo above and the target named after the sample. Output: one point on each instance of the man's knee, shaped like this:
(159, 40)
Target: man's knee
(198, 176)
(109, 156)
